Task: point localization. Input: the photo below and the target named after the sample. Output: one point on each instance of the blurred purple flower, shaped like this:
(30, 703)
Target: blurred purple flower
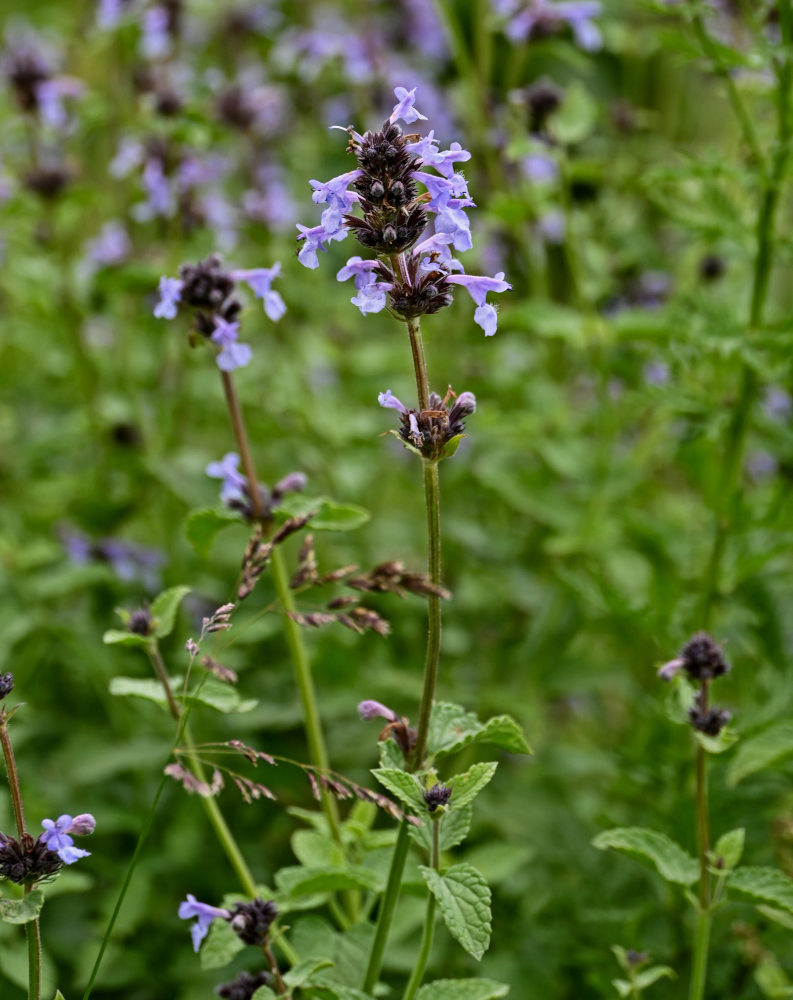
(204, 914)
(777, 404)
(234, 484)
(170, 290)
(540, 168)
(155, 40)
(232, 355)
(259, 280)
(404, 109)
(129, 155)
(656, 372)
(542, 17)
(553, 227)
(111, 246)
(375, 709)
(761, 465)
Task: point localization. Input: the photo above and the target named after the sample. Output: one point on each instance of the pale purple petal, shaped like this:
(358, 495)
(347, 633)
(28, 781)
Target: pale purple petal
(390, 402)
(404, 109)
(374, 709)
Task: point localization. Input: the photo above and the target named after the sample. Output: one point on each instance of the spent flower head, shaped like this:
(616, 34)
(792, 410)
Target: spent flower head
(436, 432)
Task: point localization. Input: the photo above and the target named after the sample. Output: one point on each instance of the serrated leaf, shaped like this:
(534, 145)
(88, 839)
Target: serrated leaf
(303, 972)
(264, 993)
(760, 751)
(313, 850)
(164, 608)
(452, 728)
(59, 996)
(463, 989)
(670, 860)
(454, 829)
(768, 885)
(202, 527)
(463, 897)
(467, 786)
(21, 911)
(328, 514)
(118, 637)
(220, 946)
(729, 847)
(406, 787)
(390, 755)
(296, 881)
(779, 916)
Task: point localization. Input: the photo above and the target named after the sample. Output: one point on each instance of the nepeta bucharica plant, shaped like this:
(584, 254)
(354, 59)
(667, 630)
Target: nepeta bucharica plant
(31, 862)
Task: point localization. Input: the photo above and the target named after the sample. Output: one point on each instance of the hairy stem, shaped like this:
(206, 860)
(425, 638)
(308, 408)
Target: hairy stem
(419, 363)
(387, 906)
(294, 639)
(33, 935)
(13, 776)
(429, 919)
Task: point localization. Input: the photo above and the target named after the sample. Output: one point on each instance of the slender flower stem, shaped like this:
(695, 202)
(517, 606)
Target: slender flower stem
(429, 919)
(702, 938)
(33, 934)
(294, 638)
(388, 903)
(772, 184)
(387, 906)
(279, 983)
(13, 776)
(162, 676)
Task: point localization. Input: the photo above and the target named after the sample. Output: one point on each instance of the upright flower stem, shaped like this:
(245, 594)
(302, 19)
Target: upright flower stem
(702, 937)
(429, 919)
(388, 903)
(32, 930)
(765, 237)
(294, 638)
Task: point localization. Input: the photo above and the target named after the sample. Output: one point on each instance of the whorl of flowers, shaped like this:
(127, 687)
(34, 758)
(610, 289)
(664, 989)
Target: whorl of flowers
(413, 273)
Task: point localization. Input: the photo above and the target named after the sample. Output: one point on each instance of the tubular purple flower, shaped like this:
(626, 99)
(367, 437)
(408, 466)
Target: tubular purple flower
(404, 109)
(234, 483)
(375, 709)
(315, 238)
(452, 219)
(204, 914)
(478, 287)
(232, 355)
(430, 155)
(259, 279)
(668, 670)
(360, 269)
(294, 482)
(335, 189)
(170, 290)
(390, 402)
(56, 837)
(82, 825)
(371, 298)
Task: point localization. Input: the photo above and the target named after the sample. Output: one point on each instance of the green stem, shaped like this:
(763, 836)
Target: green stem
(432, 503)
(387, 906)
(429, 919)
(33, 934)
(729, 487)
(294, 639)
(419, 363)
(700, 966)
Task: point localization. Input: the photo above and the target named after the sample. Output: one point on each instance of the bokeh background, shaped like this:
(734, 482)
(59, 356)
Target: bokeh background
(615, 190)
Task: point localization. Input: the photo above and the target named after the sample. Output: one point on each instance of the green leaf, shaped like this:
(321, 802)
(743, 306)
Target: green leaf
(296, 881)
(264, 993)
(406, 787)
(467, 786)
(463, 989)
(136, 687)
(771, 979)
(220, 946)
(757, 752)
(118, 637)
(577, 117)
(729, 847)
(717, 744)
(313, 850)
(768, 885)
(671, 861)
(454, 829)
(222, 697)
(303, 972)
(202, 526)
(390, 755)
(452, 728)
(464, 900)
(164, 608)
(649, 976)
(21, 911)
(328, 514)
(59, 996)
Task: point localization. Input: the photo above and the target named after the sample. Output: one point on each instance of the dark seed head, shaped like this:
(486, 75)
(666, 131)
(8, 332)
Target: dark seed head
(6, 685)
(140, 622)
(206, 285)
(703, 659)
(251, 921)
(26, 861)
(438, 795)
(243, 986)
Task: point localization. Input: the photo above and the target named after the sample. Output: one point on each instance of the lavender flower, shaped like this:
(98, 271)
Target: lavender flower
(232, 355)
(170, 290)
(204, 914)
(434, 433)
(155, 40)
(390, 402)
(234, 485)
(478, 287)
(374, 709)
(404, 109)
(536, 18)
(259, 280)
(235, 492)
(110, 247)
(56, 836)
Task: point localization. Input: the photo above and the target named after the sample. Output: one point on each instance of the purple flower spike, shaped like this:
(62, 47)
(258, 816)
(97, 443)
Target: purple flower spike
(375, 709)
(403, 109)
(390, 402)
(259, 279)
(232, 355)
(170, 290)
(478, 287)
(204, 914)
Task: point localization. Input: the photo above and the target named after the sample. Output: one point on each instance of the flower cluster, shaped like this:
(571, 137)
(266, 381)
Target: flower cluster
(28, 860)
(414, 273)
(250, 921)
(208, 288)
(235, 489)
(702, 660)
(436, 432)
